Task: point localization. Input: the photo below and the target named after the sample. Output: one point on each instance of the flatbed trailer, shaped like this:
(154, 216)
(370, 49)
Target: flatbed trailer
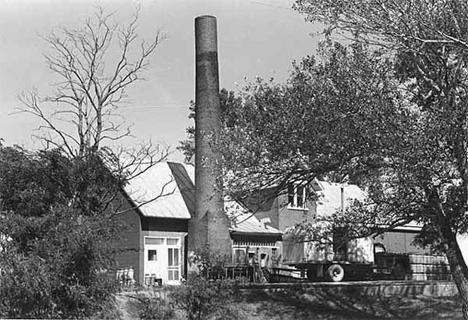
(361, 260)
(317, 262)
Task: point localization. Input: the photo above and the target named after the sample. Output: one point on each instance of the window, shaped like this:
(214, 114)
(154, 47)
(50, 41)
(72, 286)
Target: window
(173, 264)
(172, 241)
(156, 241)
(152, 255)
(297, 196)
(239, 255)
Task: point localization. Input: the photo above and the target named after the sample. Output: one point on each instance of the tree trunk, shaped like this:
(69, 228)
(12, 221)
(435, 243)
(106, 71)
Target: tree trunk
(459, 271)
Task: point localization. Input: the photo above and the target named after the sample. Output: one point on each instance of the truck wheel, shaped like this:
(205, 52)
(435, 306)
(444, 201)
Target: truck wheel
(335, 272)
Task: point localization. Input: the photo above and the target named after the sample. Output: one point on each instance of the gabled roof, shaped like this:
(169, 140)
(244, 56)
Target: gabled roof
(172, 187)
(163, 191)
(244, 221)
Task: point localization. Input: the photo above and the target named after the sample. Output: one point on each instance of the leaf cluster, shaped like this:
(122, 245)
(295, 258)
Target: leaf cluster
(56, 235)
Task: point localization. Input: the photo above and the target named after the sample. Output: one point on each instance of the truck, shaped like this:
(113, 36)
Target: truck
(360, 259)
(326, 261)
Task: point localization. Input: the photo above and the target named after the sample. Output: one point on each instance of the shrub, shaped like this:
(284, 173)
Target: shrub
(56, 238)
(202, 298)
(155, 308)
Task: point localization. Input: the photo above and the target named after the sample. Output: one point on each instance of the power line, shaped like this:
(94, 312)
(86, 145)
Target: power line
(270, 5)
(156, 106)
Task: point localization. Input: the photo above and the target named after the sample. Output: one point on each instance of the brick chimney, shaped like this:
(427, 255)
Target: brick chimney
(209, 228)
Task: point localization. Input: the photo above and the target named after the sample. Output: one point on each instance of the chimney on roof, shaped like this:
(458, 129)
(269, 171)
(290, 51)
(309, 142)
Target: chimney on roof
(209, 228)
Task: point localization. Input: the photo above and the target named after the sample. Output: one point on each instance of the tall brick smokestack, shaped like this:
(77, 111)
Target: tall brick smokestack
(209, 229)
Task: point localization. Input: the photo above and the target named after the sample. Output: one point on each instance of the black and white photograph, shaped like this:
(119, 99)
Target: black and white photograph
(234, 159)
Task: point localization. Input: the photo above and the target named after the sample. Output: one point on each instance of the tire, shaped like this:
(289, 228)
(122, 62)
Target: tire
(335, 273)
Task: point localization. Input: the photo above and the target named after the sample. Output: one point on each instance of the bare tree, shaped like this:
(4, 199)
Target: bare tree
(95, 64)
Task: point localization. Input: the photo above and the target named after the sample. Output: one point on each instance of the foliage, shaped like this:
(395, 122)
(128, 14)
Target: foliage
(57, 238)
(202, 298)
(425, 180)
(388, 112)
(226, 101)
(210, 264)
(59, 205)
(206, 293)
(155, 308)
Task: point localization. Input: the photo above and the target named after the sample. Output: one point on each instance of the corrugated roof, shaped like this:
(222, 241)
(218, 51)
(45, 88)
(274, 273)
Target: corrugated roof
(160, 183)
(184, 177)
(175, 183)
(244, 221)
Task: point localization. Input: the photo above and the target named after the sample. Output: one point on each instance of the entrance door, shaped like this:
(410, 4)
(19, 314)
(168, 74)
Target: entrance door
(163, 259)
(155, 260)
(173, 260)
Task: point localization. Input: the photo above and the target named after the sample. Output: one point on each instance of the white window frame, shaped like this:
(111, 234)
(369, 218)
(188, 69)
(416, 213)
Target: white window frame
(173, 269)
(295, 196)
(165, 245)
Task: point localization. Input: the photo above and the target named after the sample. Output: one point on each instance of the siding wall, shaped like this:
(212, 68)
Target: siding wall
(276, 208)
(162, 234)
(400, 242)
(131, 244)
(164, 227)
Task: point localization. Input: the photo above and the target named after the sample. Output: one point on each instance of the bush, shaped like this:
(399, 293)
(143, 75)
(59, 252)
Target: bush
(59, 276)
(202, 298)
(155, 308)
(25, 288)
(56, 237)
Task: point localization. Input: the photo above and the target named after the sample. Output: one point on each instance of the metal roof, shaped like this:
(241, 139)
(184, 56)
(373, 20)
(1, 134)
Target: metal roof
(245, 221)
(172, 187)
(157, 191)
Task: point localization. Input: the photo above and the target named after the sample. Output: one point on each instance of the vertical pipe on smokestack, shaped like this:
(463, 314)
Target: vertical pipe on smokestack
(342, 199)
(209, 229)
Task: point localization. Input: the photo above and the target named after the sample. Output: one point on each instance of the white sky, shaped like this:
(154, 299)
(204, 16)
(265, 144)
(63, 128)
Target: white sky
(255, 38)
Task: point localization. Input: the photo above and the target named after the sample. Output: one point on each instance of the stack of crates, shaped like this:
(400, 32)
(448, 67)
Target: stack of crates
(428, 267)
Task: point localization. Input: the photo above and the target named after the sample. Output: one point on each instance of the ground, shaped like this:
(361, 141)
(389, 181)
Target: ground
(298, 305)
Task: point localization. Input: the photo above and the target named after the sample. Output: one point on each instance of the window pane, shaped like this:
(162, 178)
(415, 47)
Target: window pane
(291, 195)
(239, 256)
(300, 196)
(154, 240)
(176, 257)
(170, 255)
(152, 255)
(172, 241)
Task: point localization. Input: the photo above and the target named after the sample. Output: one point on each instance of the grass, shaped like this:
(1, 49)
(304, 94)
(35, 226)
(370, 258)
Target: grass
(294, 304)
(288, 305)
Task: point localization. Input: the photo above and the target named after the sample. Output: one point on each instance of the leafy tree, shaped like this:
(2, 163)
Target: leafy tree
(59, 205)
(57, 236)
(227, 99)
(368, 116)
(388, 113)
(428, 178)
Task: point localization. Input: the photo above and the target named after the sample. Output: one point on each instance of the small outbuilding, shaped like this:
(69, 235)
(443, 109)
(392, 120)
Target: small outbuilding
(156, 208)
